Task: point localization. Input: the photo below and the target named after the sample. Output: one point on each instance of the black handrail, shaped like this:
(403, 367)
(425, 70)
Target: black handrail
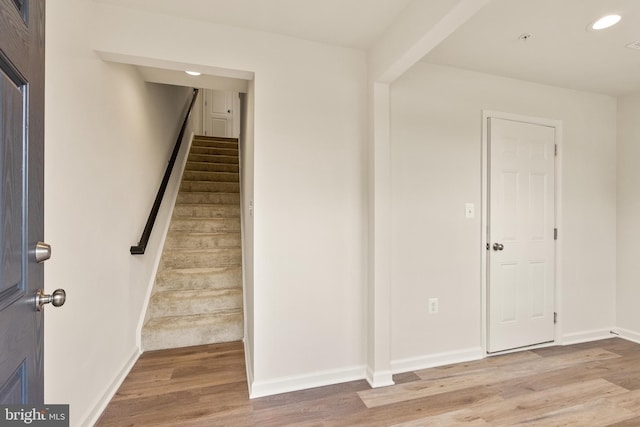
(142, 246)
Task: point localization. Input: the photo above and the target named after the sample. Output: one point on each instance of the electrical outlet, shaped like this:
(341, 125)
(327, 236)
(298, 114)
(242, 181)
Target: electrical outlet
(433, 305)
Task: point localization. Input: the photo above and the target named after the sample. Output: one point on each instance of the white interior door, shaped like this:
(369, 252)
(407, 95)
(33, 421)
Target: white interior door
(219, 113)
(521, 255)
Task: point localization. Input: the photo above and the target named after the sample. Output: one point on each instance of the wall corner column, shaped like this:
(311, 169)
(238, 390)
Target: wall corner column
(379, 278)
(422, 26)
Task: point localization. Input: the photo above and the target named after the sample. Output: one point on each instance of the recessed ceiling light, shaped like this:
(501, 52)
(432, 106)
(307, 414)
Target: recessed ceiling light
(193, 73)
(606, 22)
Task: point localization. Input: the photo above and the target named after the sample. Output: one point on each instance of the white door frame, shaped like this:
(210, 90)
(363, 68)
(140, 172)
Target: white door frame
(557, 124)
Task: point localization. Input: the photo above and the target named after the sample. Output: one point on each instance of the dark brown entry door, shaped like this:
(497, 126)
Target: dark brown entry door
(21, 199)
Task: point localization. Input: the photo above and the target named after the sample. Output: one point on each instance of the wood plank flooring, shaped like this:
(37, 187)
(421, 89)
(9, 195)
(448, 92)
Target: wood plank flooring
(591, 384)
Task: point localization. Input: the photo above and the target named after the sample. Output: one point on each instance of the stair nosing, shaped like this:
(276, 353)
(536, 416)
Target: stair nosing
(197, 218)
(199, 180)
(205, 147)
(210, 192)
(207, 163)
(228, 145)
(198, 233)
(213, 206)
(214, 138)
(217, 172)
(223, 311)
(212, 155)
(192, 270)
(162, 319)
(184, 250)
(225, 291)
(209, 182)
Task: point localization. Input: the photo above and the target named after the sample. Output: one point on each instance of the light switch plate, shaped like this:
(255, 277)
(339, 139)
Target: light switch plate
(469, 210)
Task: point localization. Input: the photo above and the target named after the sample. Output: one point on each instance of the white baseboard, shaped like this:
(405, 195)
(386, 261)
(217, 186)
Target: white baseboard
(379, 379)
(438, 359)
(586, 336)
(248, 362)
(94, 414)
(627, 334)
(303, 382)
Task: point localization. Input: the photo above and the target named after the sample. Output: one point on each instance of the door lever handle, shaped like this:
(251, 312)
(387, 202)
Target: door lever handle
(498, 246)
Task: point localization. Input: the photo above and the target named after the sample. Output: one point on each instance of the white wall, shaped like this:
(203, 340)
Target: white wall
(436, 169)
(628, 231)
(310, 131)
(108, 138)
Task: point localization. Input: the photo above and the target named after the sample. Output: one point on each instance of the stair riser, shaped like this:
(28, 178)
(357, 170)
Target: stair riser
(228, 329)
(210, 187)
(208, 198)
(216, 225)
(226, 146)
(227, 278)
(215, 211)
(215, 144)
(211, 176)
(186, 303)
(180, 259)
(212, 159)
(182, 240)
(212, 167)
(214, 151)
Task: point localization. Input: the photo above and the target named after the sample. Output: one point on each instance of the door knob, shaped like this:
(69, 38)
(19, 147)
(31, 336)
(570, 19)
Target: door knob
(498, 246)
(42, 252)
(57, 298)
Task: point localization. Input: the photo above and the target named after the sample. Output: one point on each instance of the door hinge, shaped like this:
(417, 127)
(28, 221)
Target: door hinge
(555, 317)
(555, 150)
(555, 234)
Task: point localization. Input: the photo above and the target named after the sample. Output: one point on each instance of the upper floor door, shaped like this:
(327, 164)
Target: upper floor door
(221, 111)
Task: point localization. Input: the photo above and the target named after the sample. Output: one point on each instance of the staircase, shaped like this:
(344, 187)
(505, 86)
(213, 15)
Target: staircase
(197, 296)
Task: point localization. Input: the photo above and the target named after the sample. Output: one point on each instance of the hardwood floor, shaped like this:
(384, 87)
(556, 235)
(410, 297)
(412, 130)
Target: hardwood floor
(590, 384)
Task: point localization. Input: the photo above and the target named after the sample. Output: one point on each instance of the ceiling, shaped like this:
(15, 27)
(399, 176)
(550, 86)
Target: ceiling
(350, 23)
(560, 51)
